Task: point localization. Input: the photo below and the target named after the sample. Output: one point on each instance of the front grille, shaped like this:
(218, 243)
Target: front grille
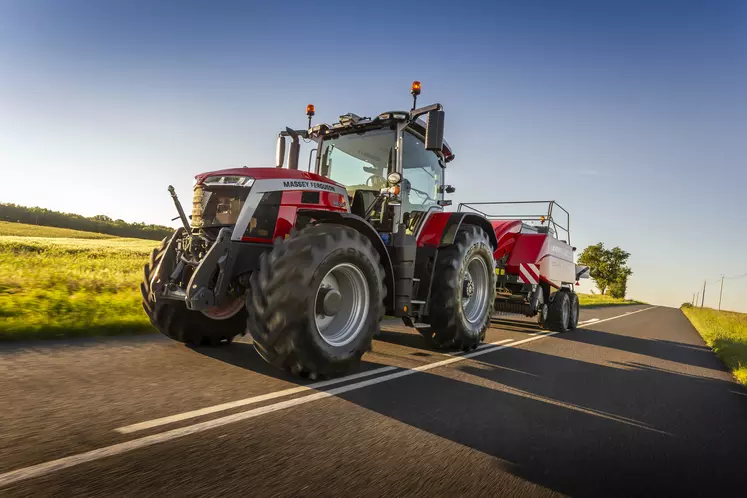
(217, 206)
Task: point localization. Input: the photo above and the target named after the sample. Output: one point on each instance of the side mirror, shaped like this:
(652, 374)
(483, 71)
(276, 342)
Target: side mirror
(280, 152)
(434, 133)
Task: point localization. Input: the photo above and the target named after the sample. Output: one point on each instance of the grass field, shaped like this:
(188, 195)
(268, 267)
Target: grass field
(22, 230)
(55, 286)
(726, 333)
(600, 300)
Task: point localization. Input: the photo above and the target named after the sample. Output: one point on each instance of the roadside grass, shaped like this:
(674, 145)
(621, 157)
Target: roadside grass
(603, 300)
(726, 333)
(23, 230)
(65, 287)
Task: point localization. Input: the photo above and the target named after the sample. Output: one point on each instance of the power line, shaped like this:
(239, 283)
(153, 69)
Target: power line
(700, 295)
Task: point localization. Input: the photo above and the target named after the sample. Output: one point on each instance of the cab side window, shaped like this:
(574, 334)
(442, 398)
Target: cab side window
(421, 175)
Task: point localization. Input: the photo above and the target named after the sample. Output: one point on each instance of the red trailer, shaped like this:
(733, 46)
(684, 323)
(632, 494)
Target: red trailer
(535, 269)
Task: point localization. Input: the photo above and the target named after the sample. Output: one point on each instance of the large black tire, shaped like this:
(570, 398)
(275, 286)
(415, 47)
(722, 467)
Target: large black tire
(573, 321)
(174, 320)
(559, 312)
(452, 324)
(283, 307)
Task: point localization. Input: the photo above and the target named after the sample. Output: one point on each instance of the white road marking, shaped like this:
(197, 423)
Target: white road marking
(618, 316)
(591, 320)
(149, 424)
(142, 442)
(246, 401)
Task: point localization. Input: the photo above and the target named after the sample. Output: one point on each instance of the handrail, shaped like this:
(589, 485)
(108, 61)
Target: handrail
(548, 217)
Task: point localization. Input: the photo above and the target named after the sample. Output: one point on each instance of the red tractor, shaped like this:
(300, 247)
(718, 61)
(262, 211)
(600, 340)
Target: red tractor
(308, 263)
(534, 261)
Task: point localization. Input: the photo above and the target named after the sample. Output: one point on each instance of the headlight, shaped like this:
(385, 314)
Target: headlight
(231, 181)
(394, 178)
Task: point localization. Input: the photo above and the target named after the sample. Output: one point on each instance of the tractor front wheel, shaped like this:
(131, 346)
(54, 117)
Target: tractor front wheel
(174, 320)
(316, 301)
(463, 292)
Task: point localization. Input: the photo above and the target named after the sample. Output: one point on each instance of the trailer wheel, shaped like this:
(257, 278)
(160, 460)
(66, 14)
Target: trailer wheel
(573, 321)
(316, 301)
(174, 320)
(559, 312)
(463, 292)
(544, 310)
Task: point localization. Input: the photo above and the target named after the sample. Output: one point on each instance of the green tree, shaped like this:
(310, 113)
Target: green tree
(608, 268)
(619, 287)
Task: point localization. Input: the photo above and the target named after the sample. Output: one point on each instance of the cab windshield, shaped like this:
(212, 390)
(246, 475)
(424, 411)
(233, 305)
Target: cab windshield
(359, 161)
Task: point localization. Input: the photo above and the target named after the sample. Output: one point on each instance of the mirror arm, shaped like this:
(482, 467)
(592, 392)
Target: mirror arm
(425, 110)
(294, 133)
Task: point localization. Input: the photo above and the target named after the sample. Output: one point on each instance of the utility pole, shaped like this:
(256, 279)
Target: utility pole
(697, 298)
(721, 293)
(702, 298)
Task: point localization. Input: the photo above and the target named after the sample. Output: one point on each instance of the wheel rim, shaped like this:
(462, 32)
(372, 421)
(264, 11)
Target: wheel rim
(475, 289)
(341, 317)
(225, 311)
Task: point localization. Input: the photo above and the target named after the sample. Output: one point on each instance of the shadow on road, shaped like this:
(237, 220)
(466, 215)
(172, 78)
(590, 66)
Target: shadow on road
(687, 354)
(578, 427)
(243, 355)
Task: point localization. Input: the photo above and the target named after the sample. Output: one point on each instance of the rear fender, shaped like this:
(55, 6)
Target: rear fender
(304, 216)
(440, 229)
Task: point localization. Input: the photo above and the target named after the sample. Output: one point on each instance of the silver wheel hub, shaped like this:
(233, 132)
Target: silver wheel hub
(342, 304)
(475, 292)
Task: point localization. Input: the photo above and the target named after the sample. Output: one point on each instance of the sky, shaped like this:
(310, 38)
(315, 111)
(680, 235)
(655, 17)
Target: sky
(630, 114)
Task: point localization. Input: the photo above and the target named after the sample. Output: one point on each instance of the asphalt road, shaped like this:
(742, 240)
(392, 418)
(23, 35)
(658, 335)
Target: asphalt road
(633, 404)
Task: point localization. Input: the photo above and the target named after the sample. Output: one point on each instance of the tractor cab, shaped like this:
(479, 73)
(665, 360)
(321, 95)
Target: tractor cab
(391, 166)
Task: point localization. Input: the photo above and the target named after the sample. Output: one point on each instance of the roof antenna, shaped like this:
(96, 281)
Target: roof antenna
(415, 91)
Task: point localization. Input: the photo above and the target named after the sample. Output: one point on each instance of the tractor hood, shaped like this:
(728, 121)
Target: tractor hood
(267, 174)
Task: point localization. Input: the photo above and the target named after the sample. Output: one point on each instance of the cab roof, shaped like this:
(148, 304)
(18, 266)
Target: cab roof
(350, 123)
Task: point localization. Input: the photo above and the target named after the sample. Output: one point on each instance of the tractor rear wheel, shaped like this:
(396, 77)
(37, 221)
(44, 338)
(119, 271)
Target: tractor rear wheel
(559, 312)
(463, 292)
(316, 301)
(174, 320)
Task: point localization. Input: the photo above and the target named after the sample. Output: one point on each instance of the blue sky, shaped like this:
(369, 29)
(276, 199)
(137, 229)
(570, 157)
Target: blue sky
(633, 115)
